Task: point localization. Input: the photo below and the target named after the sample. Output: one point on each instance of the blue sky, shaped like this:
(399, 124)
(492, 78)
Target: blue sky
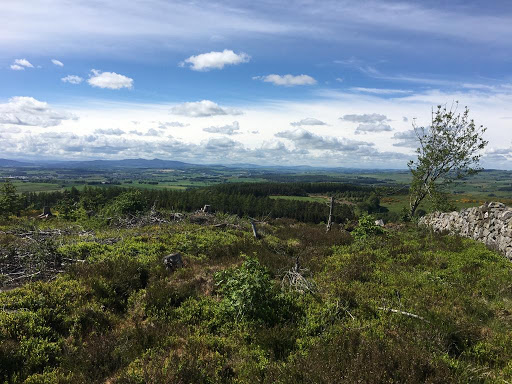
(334, 83)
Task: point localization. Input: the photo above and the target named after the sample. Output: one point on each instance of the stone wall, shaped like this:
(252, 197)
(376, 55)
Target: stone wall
(490, 223)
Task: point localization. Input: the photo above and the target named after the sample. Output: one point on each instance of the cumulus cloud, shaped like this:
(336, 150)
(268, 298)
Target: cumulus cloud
(307, 121)
(369, 123)
(57, 63)
(72, 79)
(215, 60)
(287, 80)
(372, 128)
(365, 118)
(24, 63)
(21, 110)
(304, 139)
(150, 133)
(110, 80)
(406, 139)
(171, 124)
(110, 131)
(221, 144)
(229, 129)
(21, 64)
(203, 108)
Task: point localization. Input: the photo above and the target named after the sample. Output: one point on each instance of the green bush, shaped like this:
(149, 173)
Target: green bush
(366, 228)
(248, 292)
(131, 202)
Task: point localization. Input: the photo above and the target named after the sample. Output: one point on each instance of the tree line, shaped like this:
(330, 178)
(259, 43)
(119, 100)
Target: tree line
(251, 199)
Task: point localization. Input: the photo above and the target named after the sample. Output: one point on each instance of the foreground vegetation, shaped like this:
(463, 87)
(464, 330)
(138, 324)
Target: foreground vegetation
(401, 305)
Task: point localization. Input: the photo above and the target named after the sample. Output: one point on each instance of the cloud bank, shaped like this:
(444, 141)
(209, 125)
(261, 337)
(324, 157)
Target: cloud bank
(27, 111)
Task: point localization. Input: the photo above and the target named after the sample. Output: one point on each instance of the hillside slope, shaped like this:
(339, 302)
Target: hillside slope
(405, 306)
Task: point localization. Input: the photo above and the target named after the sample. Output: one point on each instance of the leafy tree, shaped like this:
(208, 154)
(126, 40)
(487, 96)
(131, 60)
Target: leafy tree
(449, 149)
(130, 202)
(9, 199)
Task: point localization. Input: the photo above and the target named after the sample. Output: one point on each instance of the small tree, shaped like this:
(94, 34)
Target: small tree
(450, 148)
(10, 202)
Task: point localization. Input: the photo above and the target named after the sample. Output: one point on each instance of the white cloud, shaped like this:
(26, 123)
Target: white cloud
(368, 123)
(171, 124)
(110, 80)
(372, 128)
(203, 108)
(380, 91)
(407, 139)
(307, 121)
(304, 139)
(287, 80)
(57, 63)
(72, 79)
(229, 129)
(23, 63)
(150, 133)
(109, 131)
(365, 118)
(21, 110)
(215, 60)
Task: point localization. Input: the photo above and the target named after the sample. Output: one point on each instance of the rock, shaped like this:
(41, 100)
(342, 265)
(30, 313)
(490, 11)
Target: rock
(379, 222)
(173, 261)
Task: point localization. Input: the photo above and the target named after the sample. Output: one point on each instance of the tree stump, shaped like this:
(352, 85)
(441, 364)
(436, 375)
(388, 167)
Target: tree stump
(46, 213)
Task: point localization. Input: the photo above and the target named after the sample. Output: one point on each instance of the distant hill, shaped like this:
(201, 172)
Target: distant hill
(14, 163)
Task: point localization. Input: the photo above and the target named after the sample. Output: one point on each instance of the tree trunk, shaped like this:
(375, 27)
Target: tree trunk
(331, 207)
(414, 206)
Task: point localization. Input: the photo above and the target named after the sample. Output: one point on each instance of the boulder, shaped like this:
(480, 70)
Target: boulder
(173, 261)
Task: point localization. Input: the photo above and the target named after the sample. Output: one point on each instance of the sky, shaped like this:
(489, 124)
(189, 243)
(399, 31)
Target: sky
(299, 82)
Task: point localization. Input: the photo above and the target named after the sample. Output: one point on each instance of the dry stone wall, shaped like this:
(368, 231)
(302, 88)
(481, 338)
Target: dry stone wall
(490, 223)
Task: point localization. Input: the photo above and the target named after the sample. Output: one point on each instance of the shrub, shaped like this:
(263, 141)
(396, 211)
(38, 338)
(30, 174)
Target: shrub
(366, 228)
(131, 202)
(248, 292)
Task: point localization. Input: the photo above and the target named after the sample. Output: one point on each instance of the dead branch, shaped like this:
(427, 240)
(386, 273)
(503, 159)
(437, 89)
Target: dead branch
(403, 313)
(295, 280)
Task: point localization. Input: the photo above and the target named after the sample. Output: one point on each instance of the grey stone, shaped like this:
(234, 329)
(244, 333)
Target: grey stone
(173, 261)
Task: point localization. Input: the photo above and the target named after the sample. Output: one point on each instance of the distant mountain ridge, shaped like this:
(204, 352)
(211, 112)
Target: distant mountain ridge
(14, 163)
(173, 164)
